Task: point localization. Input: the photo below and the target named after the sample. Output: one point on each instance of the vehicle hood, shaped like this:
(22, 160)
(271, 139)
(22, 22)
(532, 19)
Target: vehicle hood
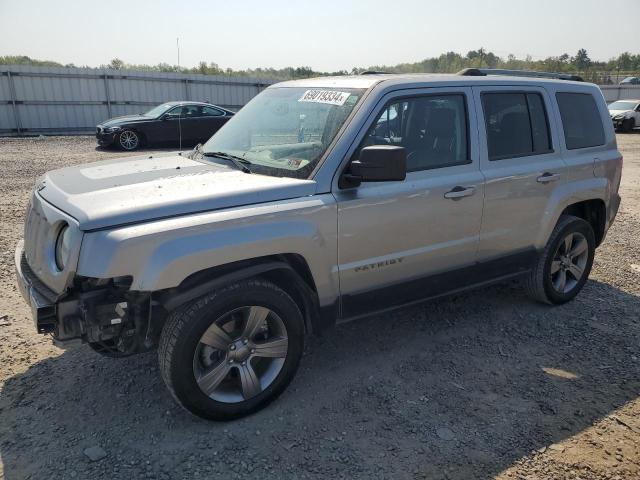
(137, 189)
(126, 119)
(614, 113)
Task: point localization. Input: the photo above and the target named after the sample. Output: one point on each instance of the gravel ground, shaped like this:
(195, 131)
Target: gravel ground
(480, 385)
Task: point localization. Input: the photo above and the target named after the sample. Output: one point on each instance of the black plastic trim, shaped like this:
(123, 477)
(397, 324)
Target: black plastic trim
(426, 288)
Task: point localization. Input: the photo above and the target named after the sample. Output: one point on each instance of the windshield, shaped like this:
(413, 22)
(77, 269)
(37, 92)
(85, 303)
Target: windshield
(622, 106)
(159, 110)
(284, 131)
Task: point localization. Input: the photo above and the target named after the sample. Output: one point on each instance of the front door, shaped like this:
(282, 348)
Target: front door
(393, 236)
(165, 130)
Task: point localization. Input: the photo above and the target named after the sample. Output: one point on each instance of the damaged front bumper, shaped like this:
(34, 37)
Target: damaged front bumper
(37, 295)
(95, 311)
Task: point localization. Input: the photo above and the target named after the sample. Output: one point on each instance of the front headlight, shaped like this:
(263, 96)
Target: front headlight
(63, 244)
(112, 129)
(620, 116)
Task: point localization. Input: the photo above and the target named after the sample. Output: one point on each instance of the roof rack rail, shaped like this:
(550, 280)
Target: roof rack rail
(375, 72)
(482, 72)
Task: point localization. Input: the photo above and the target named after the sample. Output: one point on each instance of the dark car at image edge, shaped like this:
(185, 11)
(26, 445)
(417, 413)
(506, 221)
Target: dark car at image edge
(170, 123)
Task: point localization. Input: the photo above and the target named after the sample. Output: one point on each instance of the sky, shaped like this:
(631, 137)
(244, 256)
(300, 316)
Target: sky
(327, 36)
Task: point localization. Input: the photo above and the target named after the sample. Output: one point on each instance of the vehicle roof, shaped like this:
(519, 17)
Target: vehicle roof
(399, 79)
(627, 100)
(191, 102)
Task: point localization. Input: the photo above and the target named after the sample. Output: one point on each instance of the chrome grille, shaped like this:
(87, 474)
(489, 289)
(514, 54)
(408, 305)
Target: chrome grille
(37, 233)
(40, 227)
(36, 229)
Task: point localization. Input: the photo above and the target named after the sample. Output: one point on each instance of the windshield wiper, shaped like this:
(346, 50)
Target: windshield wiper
(239, 162)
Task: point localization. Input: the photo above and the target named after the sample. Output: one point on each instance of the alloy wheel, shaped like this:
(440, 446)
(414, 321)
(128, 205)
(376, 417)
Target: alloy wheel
(129, 140)
(240, 354)
(569, 262)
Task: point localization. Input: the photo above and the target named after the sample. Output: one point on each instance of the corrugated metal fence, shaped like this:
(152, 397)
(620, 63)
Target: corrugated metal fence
(50, 100)
(618, 92)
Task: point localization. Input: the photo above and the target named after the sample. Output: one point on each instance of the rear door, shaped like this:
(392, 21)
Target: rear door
(393, 236)
(523, 167)
(191, 123)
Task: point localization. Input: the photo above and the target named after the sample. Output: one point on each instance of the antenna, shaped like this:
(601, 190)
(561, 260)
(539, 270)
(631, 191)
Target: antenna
(180, 129)
(178, 47)
(180, 114)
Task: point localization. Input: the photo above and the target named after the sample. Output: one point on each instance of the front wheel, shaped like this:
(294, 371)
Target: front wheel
(128, 140)
(231, 352)
(564, 265)
(628, 125)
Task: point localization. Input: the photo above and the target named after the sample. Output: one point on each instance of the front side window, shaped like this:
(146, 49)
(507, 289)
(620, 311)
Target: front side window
(285, 131)
(155, 112)
(432, 129)
(516, 124)
(581, 120)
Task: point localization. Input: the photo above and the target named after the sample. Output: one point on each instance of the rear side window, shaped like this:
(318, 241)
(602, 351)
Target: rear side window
(211, 112)
(580, 120)
(516, 124)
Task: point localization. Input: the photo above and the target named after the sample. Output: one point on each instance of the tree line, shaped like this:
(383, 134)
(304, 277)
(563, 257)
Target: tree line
(450, 62)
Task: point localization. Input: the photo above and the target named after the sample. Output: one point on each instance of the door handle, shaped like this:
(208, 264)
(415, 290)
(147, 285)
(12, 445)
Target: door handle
(458, 192)
(547, 177)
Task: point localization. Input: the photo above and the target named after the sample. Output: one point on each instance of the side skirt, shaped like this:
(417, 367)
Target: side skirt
(428, 288)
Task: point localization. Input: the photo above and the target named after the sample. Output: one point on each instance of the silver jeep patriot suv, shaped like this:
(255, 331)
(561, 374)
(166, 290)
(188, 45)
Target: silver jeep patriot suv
(320, 201)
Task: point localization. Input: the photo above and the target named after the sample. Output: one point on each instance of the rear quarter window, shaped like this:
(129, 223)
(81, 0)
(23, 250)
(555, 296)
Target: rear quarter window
(581, 120)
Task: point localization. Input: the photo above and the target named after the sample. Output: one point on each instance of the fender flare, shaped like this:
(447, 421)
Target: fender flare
(174, 298)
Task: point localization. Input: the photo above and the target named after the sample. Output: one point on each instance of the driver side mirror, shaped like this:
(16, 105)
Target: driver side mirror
(378, 163)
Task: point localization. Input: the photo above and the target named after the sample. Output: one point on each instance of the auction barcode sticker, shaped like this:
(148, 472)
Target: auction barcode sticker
(325, 96)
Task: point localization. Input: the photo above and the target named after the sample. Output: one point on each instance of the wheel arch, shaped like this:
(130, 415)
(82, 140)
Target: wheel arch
(140, 132)
(579, 198)
(289, 271)
(592, 211)
(144, 141)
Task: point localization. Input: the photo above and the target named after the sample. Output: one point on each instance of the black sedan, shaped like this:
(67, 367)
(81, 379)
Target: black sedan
(175, 123)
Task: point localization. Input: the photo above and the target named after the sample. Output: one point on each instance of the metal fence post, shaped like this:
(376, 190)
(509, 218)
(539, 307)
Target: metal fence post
(16, 113)
(186, 89)
(106, 93)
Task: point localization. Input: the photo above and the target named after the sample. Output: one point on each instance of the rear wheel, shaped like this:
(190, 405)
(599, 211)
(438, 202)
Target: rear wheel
(128, 140)
(563, 267)
(231, 352)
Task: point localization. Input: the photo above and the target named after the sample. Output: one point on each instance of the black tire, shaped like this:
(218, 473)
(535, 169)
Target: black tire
(129, 140)
(185, 326)
(628, 125)
(539, 284)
